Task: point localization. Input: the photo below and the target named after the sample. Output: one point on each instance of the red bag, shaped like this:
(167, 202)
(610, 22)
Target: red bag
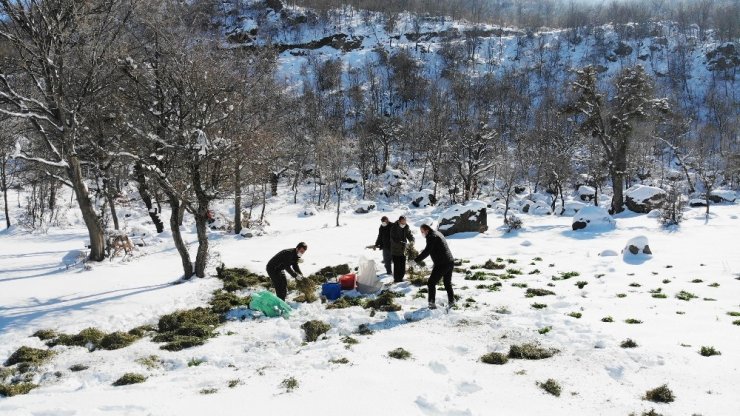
(348, 281)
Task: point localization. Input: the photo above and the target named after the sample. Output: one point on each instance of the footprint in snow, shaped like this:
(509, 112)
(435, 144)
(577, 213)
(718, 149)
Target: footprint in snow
(467, 387)
(430, 409)
(438, 367)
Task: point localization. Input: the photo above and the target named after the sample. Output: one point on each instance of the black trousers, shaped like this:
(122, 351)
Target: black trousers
(399, 268)
(279, 282)
(443, 272)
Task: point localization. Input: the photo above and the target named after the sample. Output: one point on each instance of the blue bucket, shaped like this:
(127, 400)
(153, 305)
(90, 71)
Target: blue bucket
(331, 291)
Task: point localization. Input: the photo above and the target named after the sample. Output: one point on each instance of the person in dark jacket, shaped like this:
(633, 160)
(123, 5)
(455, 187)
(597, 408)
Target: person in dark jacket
(285, 261)
(444, 263)
(383, 242)
(400, 237)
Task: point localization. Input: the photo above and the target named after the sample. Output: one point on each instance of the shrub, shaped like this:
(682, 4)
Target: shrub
(660, 394)
(399, 354)
(344, 302)
(224, 301)
(150, 362)
(709, 351)
(659, 295)
(492, 265)
(10, 390)
(44, 334)
(185, 329)
(289, 384)
(687, 296)
(234, 383)
(531, 292)
(384, 302)
(129, 378)
(29, 355)
(513, 223)
(530, 352)
(117, 340)
(628, 343)
(551, 386)
(236, 279)
(348, 340)
(314, 329)
(194, 362)
(496, 358)
(342, 360)
(736, 322)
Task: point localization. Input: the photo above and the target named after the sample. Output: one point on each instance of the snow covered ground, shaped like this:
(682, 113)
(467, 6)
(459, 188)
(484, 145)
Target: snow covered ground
(444, 376)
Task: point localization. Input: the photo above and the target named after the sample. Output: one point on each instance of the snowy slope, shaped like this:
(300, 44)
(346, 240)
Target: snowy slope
(444, 375)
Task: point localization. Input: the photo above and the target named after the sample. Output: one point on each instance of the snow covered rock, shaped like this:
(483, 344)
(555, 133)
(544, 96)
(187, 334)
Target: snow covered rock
(586, 193)
(656, 213)
(722, 195)
(307, 211)
(608, 253)
(364, 207)
(393, 177)
(591, 218)
(536, 208)
(470, 217)
(643, 199)
(637, 245)
(572, 207)
(423, 198)
(697, 202)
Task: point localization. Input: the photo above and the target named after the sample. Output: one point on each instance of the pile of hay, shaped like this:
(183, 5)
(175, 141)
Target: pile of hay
(385, 302)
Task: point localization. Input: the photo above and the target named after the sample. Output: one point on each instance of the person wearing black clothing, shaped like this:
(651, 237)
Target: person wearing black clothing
(285, 260)
(444, 263)
(400, 237)
(383, 242)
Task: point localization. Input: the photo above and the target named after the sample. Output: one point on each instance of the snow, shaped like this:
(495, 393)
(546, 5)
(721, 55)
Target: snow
(444, 376)
(725, 194)
(596, 218)
(459, 209)
(642, 192)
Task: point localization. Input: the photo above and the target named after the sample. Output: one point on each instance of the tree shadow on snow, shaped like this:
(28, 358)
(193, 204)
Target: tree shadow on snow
(11, 317)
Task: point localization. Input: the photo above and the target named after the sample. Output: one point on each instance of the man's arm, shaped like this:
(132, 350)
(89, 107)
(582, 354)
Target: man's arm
(424, 253)
(379, 240)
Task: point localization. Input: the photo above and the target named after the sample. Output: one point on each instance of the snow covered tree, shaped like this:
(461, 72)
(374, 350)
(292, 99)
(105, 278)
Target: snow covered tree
(59, 67)
(473, 157)
(613, 127)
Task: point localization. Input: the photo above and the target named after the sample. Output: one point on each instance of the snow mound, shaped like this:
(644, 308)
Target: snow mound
(637, 245)
(363, 207)
(422, 199)
(643, 198)
(307, 211)
(608, 253)
(586, 193)
(393, 177)
(572, 207)
(592, 218)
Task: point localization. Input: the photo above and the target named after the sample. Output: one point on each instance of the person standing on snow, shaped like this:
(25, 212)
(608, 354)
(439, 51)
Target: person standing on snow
(443, 261)
(400, 237)
(285, 260)
(383, 242)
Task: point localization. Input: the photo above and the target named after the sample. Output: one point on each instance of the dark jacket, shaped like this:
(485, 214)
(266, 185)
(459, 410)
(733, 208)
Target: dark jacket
(384, 237)
(285, 260)
(399, 238)
(438, 249)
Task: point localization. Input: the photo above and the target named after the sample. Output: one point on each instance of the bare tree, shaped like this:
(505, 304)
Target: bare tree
(61, 64)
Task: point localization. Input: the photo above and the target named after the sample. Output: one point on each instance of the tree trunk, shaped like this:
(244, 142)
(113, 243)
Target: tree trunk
(4, 179)
(264, 202)
(182, 249)
(94, 228)
(201, 225)
(237, 199)
(180, 214)
(339, 200)
(147, 198)
(112, 206)
(274, 180)
(618, 188)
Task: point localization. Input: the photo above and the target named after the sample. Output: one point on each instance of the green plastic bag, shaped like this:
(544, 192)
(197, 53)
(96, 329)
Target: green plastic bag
(269, 304)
